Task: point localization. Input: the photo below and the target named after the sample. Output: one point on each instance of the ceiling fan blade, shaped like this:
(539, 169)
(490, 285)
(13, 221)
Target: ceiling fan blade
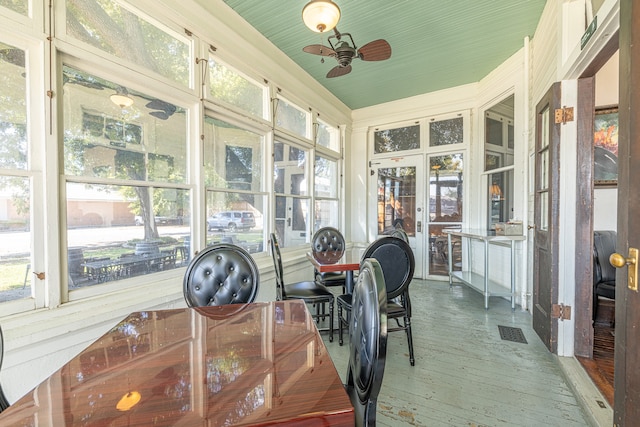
(318, 49)
(338, 71)
(377, 50)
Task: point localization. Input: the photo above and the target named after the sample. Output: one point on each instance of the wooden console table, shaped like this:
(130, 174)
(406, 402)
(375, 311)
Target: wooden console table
(481, 282)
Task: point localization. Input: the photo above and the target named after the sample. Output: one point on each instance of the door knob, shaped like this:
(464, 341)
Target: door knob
(618, 261)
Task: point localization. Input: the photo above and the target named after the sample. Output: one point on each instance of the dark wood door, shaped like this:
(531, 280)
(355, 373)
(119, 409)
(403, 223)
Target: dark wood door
(627, 347)
(545, 258)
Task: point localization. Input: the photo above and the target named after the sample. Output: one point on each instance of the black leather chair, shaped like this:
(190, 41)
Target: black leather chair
(398, 264)
(221, 274)
(604, 274)
(4, 403)
(400, 234)
(308, 291)
(328, 246)
(367, 342)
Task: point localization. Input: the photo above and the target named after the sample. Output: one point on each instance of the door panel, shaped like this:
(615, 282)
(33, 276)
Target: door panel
(627, 345)
(399, 199)
(546, 208)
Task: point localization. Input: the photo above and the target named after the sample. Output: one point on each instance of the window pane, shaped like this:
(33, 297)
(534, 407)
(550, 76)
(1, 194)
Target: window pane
(233, 156)
(229, 86)
(15, 239)
(327, 214)
(396, 199)
(236, 218)
(445, 188)
(290, 170)
(13, 109)
(292, 118)
(146, 141)
(328, 136)
(118, 232)
(439, 250)
(446, 132)
(493, 130)
(106, 25)
(326, 177)
(19, 6)
(399, 139)
(500, 194)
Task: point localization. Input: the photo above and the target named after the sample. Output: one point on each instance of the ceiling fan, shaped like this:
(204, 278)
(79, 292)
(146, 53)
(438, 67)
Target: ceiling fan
(377, 50)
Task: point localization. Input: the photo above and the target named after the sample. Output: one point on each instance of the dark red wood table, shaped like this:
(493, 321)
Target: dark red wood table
(348, 263)
(251, 364)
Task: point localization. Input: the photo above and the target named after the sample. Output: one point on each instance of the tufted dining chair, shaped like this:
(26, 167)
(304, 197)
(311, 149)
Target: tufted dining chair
(398, 264)
(327, 247)
(309, 291)
(221, 274)
(367, 342)
(4, 403)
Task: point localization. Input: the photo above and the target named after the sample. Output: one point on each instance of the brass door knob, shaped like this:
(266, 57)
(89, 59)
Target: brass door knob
(618, 261)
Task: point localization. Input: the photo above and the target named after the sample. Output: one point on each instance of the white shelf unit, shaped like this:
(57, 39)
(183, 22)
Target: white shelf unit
(481, 282)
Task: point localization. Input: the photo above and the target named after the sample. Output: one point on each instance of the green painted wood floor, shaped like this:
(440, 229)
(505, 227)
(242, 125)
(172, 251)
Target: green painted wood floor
(465, 374)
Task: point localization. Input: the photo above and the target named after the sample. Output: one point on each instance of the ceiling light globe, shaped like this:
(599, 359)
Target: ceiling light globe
(321, 15)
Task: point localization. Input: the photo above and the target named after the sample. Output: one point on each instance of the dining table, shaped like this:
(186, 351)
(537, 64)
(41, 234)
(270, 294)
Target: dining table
(348, 263)
(239, 364)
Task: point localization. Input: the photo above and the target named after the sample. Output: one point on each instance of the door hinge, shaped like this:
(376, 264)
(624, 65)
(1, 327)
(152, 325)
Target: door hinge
(561, 311)
(564, 115)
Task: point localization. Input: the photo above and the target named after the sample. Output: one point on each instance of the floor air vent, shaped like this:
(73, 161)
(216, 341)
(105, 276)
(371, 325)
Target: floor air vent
(512, 334)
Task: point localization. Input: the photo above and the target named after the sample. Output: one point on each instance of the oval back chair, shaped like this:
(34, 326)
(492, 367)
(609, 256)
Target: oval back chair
(327, 247)
(367, 342)
(221, 274)
(309, 291)
(4, 403)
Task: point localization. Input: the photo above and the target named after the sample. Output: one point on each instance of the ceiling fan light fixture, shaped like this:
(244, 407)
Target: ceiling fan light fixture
(321, 15)
(121, 98)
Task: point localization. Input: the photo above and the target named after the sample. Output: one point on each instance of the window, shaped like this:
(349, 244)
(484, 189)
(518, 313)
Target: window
(446, 132)
(328, 136)
(327, 204)
(15, 183)
(235, 197)
(292, 118)
(134, 227)
(19, 6)
(110, 27)
(226, 84)
(498, 159)
(398, 139)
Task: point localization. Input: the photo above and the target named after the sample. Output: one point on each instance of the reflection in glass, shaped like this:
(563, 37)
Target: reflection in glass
(396, 199)
(399, 139)
(109, 239)
(292, 215)
(326, 177)
(13, 109)
(500, 204)
(544, 211)
(19, 6)
(498, 135)
(445, 188)
(144, 142)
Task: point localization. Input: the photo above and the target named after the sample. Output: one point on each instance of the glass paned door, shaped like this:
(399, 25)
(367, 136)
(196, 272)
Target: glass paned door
(399, 201)
(445, 210)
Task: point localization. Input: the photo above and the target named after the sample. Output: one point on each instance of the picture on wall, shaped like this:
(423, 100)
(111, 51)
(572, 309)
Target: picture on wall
(605, 144)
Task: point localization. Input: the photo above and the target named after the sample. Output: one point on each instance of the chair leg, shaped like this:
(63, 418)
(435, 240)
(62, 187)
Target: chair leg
(339, 324)
(330, 320)
(407, 323)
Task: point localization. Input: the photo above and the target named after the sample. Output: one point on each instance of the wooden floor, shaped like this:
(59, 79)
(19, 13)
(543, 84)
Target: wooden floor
(600, 368)
(465, 374)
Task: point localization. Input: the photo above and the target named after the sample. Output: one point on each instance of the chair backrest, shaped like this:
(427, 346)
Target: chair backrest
(328, 245)
(367, 342)
(221, 274)
(4, 403)
(400, 234)
(277, 265)
(604, 244)
(397, 261)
